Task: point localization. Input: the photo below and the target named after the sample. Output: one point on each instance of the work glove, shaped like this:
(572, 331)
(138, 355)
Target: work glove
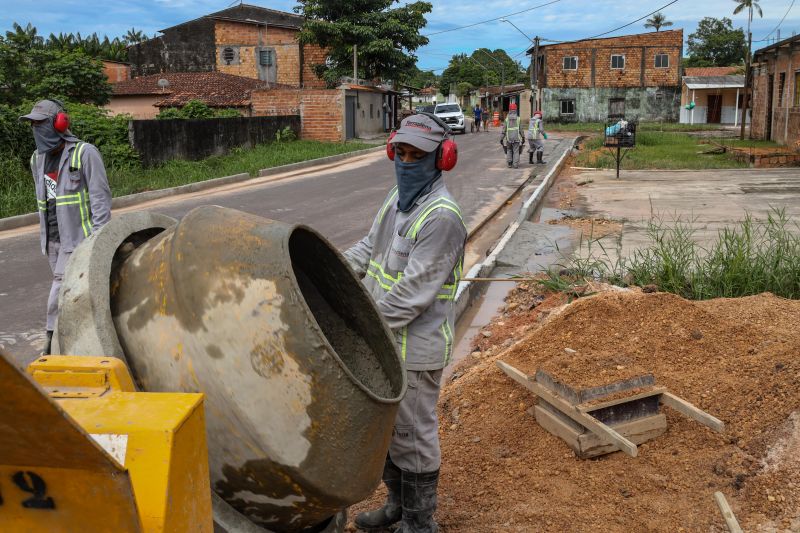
(544, 135)
(505, 149)
(520, 148)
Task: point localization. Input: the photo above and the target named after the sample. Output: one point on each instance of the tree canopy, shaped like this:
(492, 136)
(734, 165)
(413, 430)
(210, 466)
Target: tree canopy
(482, 66)
(386, 37)
(716, 44)
(657, 22)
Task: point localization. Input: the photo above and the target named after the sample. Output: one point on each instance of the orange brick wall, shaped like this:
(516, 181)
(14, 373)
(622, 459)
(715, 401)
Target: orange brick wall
(116, 72)
(321, 110)
(785, 114)
(594, 61)
(312, 55)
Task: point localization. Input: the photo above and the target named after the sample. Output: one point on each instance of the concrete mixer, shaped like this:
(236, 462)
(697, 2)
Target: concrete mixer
(300, 377)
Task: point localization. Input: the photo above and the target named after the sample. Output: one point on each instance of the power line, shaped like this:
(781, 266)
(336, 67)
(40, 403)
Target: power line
(492, 20)
(630, 23)
(779, 24)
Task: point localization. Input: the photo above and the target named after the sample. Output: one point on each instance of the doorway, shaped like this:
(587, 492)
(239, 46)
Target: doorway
(714, 112)
(350, 117)
(770, 89)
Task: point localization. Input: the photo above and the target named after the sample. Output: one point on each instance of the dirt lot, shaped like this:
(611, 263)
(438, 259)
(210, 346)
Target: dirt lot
(736, 359)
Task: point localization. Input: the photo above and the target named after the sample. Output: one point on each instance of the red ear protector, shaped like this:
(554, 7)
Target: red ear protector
(61, 120)
(446, 154)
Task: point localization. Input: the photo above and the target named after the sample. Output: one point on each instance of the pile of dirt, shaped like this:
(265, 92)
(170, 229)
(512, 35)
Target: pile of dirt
(736, 359)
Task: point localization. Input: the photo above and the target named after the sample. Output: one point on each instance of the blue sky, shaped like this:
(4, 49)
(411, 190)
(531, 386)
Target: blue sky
(562, 20)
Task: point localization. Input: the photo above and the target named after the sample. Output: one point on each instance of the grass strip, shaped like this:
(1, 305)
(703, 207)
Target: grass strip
(17, 194)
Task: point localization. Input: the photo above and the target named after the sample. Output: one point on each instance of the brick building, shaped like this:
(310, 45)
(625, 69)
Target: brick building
(776, 93)
(243, 40)
(593, 79)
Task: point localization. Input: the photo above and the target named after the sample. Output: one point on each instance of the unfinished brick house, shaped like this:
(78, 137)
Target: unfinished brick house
(244, 40)
(594, 79)
(776, 93)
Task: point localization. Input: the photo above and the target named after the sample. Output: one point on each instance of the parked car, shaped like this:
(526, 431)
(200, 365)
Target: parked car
(452, 115)
(424, 109)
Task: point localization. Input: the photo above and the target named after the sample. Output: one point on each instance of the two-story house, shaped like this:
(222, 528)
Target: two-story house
(244, 40)
(635, 76)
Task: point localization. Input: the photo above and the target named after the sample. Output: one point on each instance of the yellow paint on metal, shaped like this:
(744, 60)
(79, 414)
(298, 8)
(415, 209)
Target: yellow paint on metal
(79, 376)
(53, 476)
(165, 453)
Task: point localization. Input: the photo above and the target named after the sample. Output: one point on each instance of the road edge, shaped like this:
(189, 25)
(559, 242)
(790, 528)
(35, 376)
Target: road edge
(28, 219)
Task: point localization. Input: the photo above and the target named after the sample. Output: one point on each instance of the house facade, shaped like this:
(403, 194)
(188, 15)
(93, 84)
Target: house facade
(776, 93)
(712, 95)
(244, 40)
(632, 76)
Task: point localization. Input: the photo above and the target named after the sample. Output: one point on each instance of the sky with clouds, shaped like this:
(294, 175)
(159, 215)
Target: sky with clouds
(558, 20)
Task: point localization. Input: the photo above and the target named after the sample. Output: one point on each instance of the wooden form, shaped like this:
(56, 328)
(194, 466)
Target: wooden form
(727, 513)
(579, 426)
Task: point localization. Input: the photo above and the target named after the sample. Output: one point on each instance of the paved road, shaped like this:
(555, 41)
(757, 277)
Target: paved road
(339, 202)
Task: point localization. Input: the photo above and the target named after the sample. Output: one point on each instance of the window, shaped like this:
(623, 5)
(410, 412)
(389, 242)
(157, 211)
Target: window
(567, 107)
(571, 63)
(617, 61)
(616, 107)
(781, 86)
(265, 58)
(662, 61)
(797, 88)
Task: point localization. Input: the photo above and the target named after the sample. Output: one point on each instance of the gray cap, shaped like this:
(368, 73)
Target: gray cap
(43, 109)
(420, 131)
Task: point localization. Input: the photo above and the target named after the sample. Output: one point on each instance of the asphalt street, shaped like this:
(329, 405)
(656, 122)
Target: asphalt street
(339, 202)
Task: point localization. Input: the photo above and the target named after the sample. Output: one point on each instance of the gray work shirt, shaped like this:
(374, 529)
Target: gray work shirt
(411, 263)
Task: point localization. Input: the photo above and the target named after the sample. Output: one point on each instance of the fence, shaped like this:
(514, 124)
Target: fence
(158, 141)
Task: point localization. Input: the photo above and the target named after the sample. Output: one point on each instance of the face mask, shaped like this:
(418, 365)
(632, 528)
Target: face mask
(46, 137)
(414, 179)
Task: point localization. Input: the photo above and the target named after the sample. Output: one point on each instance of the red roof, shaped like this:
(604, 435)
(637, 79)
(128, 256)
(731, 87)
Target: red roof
(710, 71)
(214, 88)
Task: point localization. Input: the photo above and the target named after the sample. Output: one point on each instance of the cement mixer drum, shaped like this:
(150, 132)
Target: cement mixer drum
(302, 378)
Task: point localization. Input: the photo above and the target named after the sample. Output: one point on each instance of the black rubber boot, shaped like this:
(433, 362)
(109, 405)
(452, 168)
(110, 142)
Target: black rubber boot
(48, 343)
(419, 502)
(539, 158)
(392, 510)
(530, 157)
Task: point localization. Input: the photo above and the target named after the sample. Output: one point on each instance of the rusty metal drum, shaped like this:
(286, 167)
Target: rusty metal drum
(302, 378)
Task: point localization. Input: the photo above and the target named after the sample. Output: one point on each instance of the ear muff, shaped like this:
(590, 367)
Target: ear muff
(448, 155)
(61, 120)
(390, 146)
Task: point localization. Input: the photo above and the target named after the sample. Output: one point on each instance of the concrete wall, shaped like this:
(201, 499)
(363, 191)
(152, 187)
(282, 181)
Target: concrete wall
(321, 110)
(158, 141)
(592, 105)
(139, 107)
(186, 48)
(369, 113)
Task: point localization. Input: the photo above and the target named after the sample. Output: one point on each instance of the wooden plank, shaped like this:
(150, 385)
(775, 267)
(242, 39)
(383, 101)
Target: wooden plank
(557, 427)
(587, 407)
(727, 513)
(684, 407)
(636, 431)
(587, 421)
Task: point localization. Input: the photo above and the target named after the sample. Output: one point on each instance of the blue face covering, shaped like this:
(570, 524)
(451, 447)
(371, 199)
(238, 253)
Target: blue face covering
(414, 179)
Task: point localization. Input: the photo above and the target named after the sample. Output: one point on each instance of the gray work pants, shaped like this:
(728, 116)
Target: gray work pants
(512, 155)
(58, 262)
(415, 439)
(535, 145)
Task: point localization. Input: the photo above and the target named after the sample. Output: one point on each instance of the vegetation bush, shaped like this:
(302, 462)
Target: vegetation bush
(196, 109)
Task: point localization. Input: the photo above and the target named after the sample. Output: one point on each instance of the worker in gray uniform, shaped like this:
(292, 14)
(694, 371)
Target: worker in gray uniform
(535, 134)
(411, 261)
(72, 193)
(511, 137)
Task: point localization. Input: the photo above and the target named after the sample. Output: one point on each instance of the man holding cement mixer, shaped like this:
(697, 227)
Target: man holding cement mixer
(411, 261)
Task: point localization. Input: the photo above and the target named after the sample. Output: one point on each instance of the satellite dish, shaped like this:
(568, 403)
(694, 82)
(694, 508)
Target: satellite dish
(163, 83)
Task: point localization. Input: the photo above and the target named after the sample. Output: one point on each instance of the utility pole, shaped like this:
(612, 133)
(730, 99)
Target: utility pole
(535, 75)
(355, 63)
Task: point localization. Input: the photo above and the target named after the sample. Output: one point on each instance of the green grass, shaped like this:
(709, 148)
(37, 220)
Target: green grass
(747, 258)
(656, 150)
(17, 194)
(643, 126)
(748, 143)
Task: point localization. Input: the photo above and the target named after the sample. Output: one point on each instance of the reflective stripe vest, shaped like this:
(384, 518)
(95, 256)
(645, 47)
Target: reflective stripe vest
(513, 133)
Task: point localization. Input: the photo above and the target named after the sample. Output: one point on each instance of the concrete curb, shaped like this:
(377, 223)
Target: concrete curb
(148, 196)
(466, 292)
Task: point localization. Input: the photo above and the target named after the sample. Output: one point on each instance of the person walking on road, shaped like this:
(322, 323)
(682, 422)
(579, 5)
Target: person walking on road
(477, 113)
(72, 193)
(535, 134)
(411, 262)
(511, 137)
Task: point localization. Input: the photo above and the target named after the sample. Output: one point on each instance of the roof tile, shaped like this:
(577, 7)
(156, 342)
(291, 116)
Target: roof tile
(214, 88)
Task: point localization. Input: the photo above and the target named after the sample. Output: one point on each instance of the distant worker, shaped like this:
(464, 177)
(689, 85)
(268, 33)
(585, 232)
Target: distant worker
(477, 113)
(511, 137)
(411, 262)
(72, 193)
(535, 134)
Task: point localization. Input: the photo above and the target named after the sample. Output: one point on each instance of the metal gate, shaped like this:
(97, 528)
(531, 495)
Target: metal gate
(350, 117)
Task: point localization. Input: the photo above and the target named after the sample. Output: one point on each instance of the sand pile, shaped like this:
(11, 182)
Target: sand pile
(737, 359)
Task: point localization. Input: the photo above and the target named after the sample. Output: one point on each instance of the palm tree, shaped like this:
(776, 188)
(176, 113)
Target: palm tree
(740, 6)
(658, 21)
(135, 36)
